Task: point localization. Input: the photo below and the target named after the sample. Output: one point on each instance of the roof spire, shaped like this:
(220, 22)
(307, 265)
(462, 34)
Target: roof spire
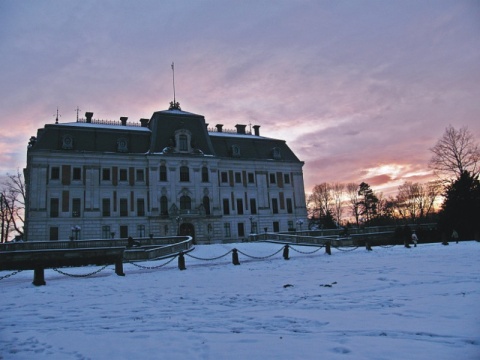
(174, 105)
(77, 110)
(56, 119)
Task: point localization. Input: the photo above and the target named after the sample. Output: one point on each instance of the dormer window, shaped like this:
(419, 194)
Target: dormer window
(67, 142)
(235, 151)
(182, 140)
(183, 143)
(276, 153)
(122, 145)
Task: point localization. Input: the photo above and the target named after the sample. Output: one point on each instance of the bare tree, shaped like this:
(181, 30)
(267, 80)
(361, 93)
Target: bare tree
(416, 201)
(320, 200)
(354, 200)
(455, 153)
(12, 205)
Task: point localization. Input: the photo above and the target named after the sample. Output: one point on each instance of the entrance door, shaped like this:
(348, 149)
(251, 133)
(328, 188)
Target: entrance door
(187, 229)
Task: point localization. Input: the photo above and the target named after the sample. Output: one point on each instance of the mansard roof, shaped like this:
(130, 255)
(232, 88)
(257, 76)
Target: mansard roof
(157, 135)
(164, 125)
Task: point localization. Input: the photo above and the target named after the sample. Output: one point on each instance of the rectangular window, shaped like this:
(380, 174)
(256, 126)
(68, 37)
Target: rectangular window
(105, 207)
(238, 177)
(254, 228)
(54, 207)
(184, 174)
(272, 178)
(226, 207)
(253, 206)
(251, 178)
(140, 175)
(276, 226)
(77, 174)
(163, 173)
(224, 177)
(204, 174)
(141, 231)
(140, 207)
(275, 206)
(76, 207)
(290, 226)
(183, 140)
(106, 232)
(241, 229)
(123, 231)
(289, 206)
(106, 174)
(239, 206)
(53, 233)
(123, 175)
(286, 178)
(55, 173)
(66, 174)
(123, 207)
(226, 228)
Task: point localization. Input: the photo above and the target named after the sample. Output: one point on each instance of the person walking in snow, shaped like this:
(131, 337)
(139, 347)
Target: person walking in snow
(414, 239)
(455, 236)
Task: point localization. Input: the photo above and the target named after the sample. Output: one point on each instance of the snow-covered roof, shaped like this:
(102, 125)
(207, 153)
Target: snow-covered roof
(105, 126)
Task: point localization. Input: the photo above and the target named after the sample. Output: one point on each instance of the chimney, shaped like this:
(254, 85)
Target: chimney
(219, 127)
(240, 128)
(256, 128)
(124, 119)
(144, 122)
(88, 116)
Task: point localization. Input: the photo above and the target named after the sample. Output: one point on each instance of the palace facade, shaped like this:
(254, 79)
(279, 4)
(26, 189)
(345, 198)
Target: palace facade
(163, 176)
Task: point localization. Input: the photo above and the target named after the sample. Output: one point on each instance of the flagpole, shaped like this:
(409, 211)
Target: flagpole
(173, 70)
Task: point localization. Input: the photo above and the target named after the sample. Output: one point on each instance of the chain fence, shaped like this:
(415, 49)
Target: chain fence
(152, 267)
(11, 274)
(285, 247)
(307, 252)
(210, 259)
(80, 275)
(261, 257)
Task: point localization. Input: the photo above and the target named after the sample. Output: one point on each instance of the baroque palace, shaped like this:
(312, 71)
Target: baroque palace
(168, 175)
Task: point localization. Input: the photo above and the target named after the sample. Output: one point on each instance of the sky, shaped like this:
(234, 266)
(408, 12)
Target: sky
(360, 90)
(350, 305)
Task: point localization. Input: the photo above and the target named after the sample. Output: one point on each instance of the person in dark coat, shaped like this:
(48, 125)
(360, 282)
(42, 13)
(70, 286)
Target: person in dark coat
(131, 242)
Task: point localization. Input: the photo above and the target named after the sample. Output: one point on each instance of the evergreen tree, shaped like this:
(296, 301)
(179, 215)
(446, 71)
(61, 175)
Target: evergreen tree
(368, 202)
(461, 207)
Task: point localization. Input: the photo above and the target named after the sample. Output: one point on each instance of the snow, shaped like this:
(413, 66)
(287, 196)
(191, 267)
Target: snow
(105, 126)
(390, 303)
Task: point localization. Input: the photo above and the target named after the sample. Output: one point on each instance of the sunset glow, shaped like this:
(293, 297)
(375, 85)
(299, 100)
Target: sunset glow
(359, 90)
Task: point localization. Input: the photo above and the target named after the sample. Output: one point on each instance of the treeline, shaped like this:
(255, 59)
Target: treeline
(454, 161)
(334, 204)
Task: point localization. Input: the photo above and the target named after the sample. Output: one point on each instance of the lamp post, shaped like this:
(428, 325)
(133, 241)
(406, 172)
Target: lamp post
(178, 219)
(300, 223)
(75, 230)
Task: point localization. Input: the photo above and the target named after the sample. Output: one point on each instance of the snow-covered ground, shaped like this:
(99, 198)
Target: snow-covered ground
(390, 303)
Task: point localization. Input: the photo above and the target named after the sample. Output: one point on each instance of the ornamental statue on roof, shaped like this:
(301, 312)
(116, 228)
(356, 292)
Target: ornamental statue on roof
(174, 105)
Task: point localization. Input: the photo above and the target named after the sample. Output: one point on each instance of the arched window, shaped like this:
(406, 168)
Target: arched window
(185, 203)
(204, 174)
(164, 205)
(184, 173)
(206, 205)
